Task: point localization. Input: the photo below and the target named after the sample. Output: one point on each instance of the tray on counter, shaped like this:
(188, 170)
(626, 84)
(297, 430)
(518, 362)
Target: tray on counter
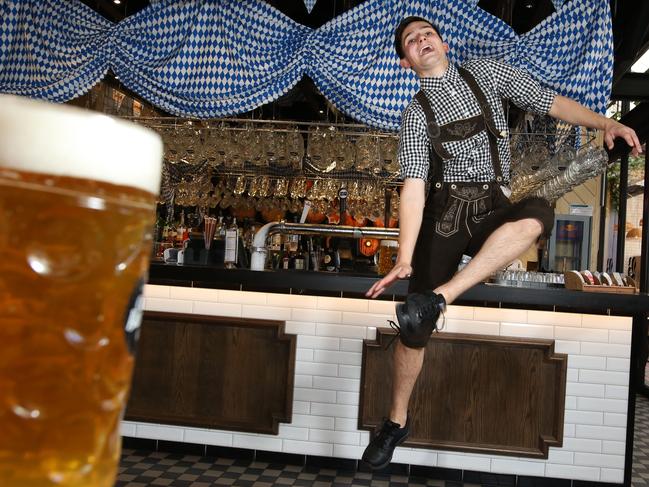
(573, 281)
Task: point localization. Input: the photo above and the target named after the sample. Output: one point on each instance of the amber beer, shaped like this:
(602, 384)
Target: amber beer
(77, 199)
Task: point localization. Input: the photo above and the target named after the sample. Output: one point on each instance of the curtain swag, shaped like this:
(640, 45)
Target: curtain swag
(216, 58)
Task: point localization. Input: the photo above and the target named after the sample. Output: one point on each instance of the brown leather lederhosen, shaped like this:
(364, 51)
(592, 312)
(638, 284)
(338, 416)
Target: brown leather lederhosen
(458, 217)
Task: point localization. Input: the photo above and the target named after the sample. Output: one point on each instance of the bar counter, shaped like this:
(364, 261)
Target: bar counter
(557, 363)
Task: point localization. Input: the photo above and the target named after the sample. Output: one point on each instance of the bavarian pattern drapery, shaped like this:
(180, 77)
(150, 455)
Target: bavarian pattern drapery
(214, 58)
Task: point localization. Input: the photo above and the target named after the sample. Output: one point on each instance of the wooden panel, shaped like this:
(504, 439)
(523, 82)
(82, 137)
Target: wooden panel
(226, 373)
(475, 393)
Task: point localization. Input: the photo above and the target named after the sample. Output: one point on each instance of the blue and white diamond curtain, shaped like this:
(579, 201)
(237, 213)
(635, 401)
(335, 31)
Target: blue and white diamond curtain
(215, 58)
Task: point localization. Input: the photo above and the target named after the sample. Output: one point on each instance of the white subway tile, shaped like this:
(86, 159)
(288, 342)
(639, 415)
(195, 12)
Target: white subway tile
(608, 322)
(322, 343)
(560, 456)
(599, 460)
(327, 436)
(342, 331)
(582, 445)
(604, 405)
(350, 345)
(569, 430)
(517, 467)
(615, 419)
(472, 327)
(459, 312)
(303, 380)
(168, 305)
(413, 456)
(349, 371)
(126, 428)
(337, 384)
(465, 462)
(622, 337)
(601, 432)
(365, 319)
(607, 349)
(217, 309)
(349, 451)
(618, 364)
(342, 304)
(311, 395)
(242, 297)
(344, 358)
(604, 377)
(291, 300)
(614, 447)
(502, 315)
(563, 346)
(208, 437)
(257, 442)
(346, 424)
(265, 312)
(526, 331)
(316, 315)
(300, 327)
(336, 410)
(347, 397)
(194, 293)
(571, 402)
(371, 333)
(553, 318)
(585, 390)
(155, 291)
(308, 448)
(292, 433)
(381, 307)
(572, 375)
(584, 417)
(316, 368)
(159, 432)
(617, 392)
(611, 475)
(571, 472)
(304, 354)
(581, 334)
(586, 362)
(310, 421)
(301, 407)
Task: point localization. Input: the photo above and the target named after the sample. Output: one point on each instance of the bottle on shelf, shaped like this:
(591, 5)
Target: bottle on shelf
(330, 261)
(301, 259)
(231, 254)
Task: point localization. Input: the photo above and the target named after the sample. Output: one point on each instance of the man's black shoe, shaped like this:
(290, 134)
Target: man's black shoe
(379, 452)
(417, 317)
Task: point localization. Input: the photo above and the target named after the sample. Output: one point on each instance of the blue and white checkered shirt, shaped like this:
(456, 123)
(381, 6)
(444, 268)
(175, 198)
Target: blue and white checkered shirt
(451, 99)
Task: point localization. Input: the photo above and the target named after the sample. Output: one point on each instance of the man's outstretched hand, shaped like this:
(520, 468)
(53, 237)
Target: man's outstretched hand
(615, 129)
(399, 271)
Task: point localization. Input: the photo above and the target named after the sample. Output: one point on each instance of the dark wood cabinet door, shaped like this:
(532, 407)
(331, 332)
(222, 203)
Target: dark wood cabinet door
(225, 373)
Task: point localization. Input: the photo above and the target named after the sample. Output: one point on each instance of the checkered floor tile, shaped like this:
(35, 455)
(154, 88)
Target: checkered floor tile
(145, 468)
(640, 474)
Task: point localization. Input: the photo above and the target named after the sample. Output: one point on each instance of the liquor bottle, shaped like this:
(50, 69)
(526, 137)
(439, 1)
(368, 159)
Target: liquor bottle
(301, 259)
(231, 254)
(329, 259)
(219, 233)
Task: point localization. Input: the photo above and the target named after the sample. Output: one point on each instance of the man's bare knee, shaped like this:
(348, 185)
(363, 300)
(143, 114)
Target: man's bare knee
(530, 227)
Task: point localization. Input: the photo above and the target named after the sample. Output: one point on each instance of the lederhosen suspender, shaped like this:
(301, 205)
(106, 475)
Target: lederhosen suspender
(459, 130)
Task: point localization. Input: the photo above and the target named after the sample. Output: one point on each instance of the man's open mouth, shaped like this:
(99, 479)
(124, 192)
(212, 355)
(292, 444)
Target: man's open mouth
(425, 50)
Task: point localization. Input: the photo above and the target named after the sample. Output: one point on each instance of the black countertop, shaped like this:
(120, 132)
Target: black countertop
(355, 285)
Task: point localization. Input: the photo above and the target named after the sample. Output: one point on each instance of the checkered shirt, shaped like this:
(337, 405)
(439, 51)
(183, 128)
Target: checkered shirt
(451, 99)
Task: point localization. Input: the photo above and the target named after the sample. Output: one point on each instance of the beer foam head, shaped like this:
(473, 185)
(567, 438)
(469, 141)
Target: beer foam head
(61, 140)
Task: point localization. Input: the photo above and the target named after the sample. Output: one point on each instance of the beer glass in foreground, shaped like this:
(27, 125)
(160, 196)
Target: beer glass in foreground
(77, 200)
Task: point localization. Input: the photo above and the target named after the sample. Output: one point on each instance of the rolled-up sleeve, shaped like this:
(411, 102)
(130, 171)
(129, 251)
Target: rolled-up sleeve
(519, 87)
(413, 144)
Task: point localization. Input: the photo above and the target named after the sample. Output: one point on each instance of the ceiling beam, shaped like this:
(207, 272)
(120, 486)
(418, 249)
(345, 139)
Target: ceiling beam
(632, 87)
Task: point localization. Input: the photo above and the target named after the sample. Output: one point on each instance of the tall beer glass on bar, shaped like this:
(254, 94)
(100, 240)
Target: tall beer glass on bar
(77, 204)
